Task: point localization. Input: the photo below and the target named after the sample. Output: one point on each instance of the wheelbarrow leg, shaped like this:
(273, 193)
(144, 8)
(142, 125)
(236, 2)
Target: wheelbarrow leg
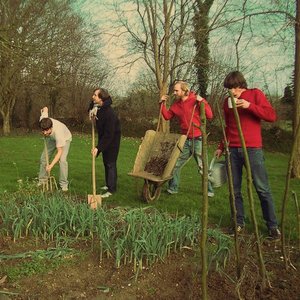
(151, 191)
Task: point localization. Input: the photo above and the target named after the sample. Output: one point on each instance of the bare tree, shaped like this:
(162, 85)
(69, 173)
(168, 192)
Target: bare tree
(47, 49)
(160, 38)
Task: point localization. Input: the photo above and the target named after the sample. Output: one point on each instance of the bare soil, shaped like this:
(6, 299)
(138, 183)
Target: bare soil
(156, 164)
(179, 277)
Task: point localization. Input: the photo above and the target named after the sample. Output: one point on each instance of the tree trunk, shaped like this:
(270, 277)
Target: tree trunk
(6, 123)
(296, 161)
(164, 126)
(201, 37)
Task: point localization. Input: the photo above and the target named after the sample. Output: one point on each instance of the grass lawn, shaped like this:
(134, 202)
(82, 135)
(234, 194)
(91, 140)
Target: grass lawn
(19, 159)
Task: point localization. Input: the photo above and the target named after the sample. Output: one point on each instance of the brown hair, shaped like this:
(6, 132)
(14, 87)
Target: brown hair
(103, 93)
(235, 79)
(46, 123)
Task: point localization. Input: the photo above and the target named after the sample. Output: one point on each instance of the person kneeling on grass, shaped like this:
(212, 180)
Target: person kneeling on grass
(252, 107)
(58, 137)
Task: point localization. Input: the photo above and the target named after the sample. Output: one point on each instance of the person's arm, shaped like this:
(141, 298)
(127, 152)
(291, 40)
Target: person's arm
(261, 107)
(55, 159)
(167, 114)
(208, 111)
(44, 113)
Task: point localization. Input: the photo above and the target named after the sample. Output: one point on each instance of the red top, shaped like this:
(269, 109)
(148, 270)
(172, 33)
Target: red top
(250, 118)
(183, 111)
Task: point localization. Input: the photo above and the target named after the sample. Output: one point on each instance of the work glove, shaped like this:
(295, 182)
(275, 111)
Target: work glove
(93, 113)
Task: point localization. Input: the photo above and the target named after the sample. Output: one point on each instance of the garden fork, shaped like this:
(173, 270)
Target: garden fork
(50, 183)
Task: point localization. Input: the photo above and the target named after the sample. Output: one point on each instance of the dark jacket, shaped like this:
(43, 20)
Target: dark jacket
(109, 131)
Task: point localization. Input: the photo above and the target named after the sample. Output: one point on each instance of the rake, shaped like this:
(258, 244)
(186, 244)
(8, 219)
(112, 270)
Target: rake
(50, 183)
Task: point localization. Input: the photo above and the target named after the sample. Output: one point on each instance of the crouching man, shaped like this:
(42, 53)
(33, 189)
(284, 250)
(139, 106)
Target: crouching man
(58, 137)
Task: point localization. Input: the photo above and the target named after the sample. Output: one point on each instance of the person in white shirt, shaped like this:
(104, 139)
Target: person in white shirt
(58, 137)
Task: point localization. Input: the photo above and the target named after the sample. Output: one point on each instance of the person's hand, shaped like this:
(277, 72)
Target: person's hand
(93, 112)
(164, 98)
(218, 153)
(242, 103)
(199, 98)
(94, 152)
(49, 168)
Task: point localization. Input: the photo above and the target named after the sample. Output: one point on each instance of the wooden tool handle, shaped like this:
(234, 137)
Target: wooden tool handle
(46, 155)
(93, 159)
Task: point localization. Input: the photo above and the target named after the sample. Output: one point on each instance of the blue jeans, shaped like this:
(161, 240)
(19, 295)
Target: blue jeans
(260, 181)
(191, 147)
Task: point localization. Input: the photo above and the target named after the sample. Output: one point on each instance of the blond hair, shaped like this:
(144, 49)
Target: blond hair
(184, 86)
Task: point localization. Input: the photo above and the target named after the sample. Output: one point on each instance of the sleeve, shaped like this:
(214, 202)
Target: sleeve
(208, 111)
(262, 108)
(167, 114)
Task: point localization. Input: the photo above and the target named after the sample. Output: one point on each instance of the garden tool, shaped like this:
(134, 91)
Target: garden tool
(94, 200)
(50, 183)
(217, 173)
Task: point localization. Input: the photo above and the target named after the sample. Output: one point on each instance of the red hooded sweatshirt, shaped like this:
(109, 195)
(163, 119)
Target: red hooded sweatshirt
(250, 118)
(183, 110)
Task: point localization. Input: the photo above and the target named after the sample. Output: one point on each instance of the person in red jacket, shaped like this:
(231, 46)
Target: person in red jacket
(252, 106)
(186, 109)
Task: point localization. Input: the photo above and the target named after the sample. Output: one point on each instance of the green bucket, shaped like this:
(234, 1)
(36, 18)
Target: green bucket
(217, 172)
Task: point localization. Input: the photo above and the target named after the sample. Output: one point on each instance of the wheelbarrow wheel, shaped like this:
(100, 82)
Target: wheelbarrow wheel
(151, 191)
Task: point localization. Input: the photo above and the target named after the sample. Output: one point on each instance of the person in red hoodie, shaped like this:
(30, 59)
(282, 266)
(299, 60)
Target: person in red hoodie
(186, 108)
(252, 107)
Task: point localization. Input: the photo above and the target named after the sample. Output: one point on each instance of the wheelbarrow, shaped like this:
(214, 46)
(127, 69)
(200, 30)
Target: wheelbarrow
(155, 161)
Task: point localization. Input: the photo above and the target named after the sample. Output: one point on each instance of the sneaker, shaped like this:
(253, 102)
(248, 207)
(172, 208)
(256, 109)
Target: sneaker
(104, 188)
(106, 195)
(239, 230)
(210, 194)
(64, 189)
(274, 233)
(172, 192)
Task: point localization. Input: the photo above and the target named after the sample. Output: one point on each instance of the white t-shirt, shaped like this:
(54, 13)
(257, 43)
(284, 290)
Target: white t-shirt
(60, 132)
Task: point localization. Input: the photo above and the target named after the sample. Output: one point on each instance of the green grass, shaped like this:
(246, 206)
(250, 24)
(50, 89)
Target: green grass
(19, 160)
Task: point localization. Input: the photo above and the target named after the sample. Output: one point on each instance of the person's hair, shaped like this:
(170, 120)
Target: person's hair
(102, 93)
(184, 86)
(46, 123)
(235, 79)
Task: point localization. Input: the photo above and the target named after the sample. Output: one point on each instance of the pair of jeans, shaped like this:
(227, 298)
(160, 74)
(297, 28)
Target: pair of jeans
(191, 147)
(260, 181)
(63, 163)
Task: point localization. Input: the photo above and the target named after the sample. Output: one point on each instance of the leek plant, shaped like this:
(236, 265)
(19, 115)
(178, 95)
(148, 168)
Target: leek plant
(139, 237)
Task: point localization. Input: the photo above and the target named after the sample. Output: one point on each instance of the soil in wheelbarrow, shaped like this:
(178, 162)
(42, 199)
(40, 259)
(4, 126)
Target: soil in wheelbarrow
(156, 164)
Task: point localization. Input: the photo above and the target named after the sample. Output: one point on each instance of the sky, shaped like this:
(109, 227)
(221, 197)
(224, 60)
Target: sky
(263, 61)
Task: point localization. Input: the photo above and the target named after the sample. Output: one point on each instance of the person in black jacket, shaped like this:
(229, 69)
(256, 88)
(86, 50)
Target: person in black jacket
(109, 136)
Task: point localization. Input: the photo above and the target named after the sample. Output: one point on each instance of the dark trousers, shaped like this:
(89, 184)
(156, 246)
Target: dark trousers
(111, 176)
(260, 181)
(110, 157)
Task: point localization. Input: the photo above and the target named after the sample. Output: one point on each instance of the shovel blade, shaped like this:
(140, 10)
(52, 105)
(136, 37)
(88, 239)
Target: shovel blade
(94, 201)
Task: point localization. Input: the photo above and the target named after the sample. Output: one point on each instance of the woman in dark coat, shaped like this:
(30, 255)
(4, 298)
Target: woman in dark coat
(109, 136)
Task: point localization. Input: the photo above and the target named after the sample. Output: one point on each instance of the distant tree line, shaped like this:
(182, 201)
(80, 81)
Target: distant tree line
(48, 56)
